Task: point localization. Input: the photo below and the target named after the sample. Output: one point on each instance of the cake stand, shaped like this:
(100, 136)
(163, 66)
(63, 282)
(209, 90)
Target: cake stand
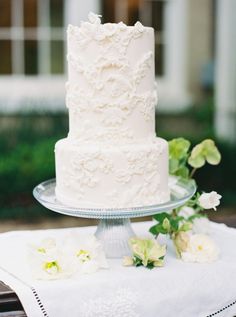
(114, 228)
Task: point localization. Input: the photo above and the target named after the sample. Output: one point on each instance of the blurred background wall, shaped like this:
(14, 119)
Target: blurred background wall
(195, 43)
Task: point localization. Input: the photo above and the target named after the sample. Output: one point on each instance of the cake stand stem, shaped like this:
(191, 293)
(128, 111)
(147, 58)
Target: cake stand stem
(114, 235)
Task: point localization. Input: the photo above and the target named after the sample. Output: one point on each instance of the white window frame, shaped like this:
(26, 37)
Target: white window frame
(43, 91)
(43, 33)
(17, 90)
(172, 85)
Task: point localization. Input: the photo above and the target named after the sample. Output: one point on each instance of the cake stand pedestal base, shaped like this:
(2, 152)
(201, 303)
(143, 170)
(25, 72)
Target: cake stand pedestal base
(114, 235)
(114, 228)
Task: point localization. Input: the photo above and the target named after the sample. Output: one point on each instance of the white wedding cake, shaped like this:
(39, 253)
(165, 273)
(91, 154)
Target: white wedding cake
(111, 157)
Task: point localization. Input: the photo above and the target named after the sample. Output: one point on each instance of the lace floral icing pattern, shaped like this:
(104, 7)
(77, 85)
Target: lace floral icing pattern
(122, 303)
(113, 95)
(139, 172)
(145, 164)
(111, 156)
(83, 168)
(139, 163)
(108, 135)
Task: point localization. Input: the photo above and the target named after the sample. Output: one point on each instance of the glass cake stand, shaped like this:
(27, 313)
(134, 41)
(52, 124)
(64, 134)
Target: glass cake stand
(114, 228)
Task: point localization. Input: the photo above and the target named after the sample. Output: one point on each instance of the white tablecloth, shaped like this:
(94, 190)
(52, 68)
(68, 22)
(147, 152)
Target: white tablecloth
(178, 289)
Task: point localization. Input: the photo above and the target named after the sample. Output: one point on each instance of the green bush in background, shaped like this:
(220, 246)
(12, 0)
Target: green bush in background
(26, 159)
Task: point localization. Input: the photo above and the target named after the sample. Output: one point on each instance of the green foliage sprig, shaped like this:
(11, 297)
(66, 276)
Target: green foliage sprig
(181, 160)
(183, 163)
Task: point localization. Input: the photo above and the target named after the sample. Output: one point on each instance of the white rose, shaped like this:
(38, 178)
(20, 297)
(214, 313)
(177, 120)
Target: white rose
(201, 225)
(186, 212)
(209, 200)
(94, 18)
(200, 249)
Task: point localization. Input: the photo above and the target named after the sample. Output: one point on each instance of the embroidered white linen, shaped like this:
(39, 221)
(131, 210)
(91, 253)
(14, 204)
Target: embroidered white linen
(182, 289)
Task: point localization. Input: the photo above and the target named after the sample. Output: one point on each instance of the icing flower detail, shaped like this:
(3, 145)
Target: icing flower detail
(109, 29)
(200, 248)
(113, 117)
(94, 18)
(139, 27)
(122, 26)
(209, 200)
(123, 176)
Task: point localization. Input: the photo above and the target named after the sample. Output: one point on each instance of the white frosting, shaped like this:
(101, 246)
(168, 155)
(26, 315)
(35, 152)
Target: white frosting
(111, 78)
(111, 157)
(115, 176)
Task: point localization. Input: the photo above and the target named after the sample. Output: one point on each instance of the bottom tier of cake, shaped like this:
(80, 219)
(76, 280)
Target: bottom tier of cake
(112, 176)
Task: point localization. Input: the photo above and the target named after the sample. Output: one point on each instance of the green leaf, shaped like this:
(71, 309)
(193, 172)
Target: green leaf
(178, 148)
(166, 224)
(183, 172)
(198, 215)
(213, 156)
(206, 151)
(137, 261)
(186, 227)
(156, 229)
(196, 160)
(178, 155)
(173, 165)
(161, 216)
(174, 224)
(150, 265)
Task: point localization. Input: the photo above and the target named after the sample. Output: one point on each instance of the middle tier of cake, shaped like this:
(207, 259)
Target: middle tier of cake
(112, 176)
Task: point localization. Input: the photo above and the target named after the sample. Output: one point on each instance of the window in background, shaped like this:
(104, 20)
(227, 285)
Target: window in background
(31, 37)
(5, 57)
(149, 12)
(5, 43)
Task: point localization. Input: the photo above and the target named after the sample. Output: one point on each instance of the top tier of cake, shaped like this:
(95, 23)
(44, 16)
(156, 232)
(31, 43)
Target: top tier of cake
(111, 92)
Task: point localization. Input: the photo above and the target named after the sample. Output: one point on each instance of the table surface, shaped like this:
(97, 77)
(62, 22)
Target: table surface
(10, 305)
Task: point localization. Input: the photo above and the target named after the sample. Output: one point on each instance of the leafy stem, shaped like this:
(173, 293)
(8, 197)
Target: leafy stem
(181, 159)
(192, 172)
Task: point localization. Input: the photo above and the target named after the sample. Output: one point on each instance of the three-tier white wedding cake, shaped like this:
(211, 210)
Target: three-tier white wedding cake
(111, 157)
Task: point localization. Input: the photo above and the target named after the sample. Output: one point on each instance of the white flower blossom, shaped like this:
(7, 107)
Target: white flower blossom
(209, 200)
(201, 225)
(87, 252)
(74, 255)
(48, 261)
(200, 249)
(94, 18)
(186, 212)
